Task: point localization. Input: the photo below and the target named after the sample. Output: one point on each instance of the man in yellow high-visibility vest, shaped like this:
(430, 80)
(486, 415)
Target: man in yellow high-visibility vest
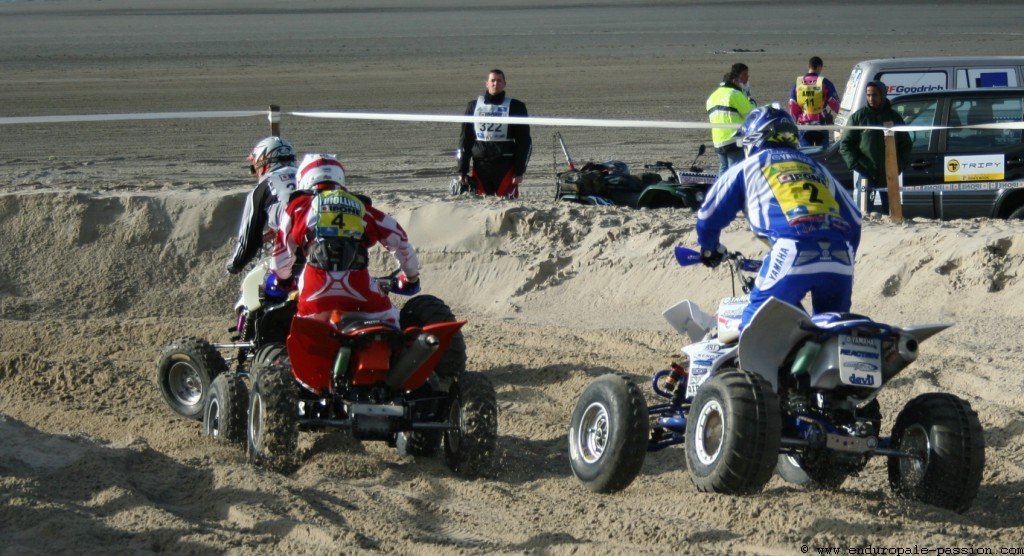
(729, 104)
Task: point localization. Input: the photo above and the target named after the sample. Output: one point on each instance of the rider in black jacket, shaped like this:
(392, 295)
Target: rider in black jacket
(272, 161)
(500, 152)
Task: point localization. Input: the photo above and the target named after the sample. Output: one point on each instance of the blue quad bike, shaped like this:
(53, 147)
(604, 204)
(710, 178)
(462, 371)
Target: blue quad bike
(793, 394)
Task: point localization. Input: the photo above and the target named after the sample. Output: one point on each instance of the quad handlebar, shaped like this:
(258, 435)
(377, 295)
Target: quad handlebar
(738, 264)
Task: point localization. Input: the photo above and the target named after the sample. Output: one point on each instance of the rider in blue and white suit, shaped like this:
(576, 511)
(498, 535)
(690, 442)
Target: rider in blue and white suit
(797, 206)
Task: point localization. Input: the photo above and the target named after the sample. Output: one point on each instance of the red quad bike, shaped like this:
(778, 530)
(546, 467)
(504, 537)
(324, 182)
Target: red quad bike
(406, 387)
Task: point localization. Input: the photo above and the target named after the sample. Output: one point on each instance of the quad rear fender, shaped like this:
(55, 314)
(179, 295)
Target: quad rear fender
(312, 347)
(773, 331)
(444, 332)
(922, 332)
(660, 195)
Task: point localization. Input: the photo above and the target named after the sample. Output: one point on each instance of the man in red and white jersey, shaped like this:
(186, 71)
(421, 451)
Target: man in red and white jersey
(334, 229)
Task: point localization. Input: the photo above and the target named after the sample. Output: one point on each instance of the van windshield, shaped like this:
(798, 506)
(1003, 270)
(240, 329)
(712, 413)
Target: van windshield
(851, 89)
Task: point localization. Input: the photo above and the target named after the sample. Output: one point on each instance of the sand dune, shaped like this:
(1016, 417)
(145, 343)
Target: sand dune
(114, 237)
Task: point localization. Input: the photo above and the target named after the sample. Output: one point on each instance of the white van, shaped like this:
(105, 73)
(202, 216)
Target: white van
(921, 75)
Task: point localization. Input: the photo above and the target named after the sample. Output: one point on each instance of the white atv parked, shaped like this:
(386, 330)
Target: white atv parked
(793, 393)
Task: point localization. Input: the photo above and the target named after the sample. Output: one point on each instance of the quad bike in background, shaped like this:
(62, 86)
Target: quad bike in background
(188, 367)
(405, 386)
(611, 183)
(792, 393)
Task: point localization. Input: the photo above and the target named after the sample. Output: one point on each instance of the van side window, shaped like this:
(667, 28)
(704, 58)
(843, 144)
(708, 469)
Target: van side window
(921, 112)
(980, 78)
(984, 111)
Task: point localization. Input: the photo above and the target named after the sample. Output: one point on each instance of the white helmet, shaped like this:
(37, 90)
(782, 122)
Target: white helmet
(317, 169)
(274, 151)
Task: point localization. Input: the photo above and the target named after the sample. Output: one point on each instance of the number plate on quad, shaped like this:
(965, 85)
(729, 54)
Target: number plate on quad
(860, 361)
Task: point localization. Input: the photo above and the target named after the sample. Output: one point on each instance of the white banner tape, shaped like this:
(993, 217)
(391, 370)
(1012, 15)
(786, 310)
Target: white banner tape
(121, 117)
(557, 122)
(578, 122)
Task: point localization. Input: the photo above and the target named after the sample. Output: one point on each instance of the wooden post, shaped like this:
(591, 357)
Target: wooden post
(892, 176)
(275, 120)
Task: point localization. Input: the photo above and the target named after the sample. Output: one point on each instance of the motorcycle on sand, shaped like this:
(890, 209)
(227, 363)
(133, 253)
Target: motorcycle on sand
(792, 393)
(405, 386)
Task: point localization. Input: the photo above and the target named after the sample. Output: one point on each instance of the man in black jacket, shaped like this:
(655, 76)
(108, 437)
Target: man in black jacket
(864, 150)
(499, 151)
(272, 161)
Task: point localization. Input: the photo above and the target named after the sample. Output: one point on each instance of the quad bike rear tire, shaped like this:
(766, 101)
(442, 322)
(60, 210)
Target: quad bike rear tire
(273, 424)
(226, 408)
(820, 475)
(944, 431)
(427, 309)
(470, 444)
(608, 434)
(184, 372)
(733, 433)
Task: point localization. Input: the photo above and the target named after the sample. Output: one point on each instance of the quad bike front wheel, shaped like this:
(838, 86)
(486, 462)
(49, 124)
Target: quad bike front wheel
(224, 415)
(273, 352)
(608, 434)
(945, 437)
(733, 433)
(184, 372)
(273, 424)
(470, 444)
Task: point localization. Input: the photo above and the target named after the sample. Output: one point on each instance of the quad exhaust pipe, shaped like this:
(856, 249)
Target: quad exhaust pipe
(905, 353)
(414, 357)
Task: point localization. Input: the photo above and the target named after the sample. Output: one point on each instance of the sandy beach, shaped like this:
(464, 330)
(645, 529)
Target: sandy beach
(114, 236)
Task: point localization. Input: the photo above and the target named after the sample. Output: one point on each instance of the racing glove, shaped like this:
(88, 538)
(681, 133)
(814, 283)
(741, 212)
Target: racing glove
(407, 286)
(713, 257)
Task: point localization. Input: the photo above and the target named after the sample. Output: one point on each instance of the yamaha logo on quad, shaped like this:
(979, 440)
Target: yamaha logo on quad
(861, 380)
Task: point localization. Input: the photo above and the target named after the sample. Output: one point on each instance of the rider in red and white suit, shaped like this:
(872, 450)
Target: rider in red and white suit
(334, 228)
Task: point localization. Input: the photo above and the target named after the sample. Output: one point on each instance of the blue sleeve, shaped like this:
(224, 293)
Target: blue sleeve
(830, 90)
(724, 200)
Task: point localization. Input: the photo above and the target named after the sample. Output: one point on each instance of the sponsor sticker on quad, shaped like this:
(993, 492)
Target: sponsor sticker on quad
(974, 167)
(860, 361)
(702, 359)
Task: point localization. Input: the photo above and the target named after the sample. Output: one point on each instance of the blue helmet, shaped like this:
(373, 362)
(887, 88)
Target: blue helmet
(765, 125)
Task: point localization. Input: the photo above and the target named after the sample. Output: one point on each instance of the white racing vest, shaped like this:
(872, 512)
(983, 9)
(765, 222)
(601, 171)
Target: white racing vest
(492, 131)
